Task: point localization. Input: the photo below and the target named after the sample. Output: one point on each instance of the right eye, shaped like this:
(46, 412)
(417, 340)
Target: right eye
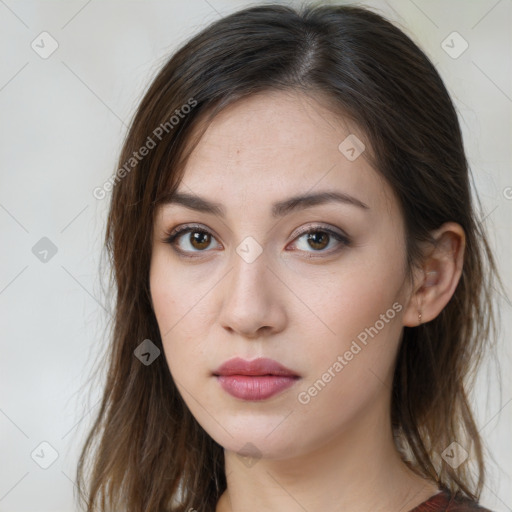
(198, 239)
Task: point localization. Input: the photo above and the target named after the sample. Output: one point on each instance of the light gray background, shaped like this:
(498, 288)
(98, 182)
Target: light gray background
(62, 121)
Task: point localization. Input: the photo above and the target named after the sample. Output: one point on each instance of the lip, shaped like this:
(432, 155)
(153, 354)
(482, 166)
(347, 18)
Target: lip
(259, 367)
(258, 379)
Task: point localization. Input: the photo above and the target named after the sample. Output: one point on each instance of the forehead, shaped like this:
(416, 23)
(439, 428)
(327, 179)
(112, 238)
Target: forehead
(278, 144)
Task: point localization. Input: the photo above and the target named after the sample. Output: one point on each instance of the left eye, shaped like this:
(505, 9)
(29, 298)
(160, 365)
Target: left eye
(200, 239)
(318, 239)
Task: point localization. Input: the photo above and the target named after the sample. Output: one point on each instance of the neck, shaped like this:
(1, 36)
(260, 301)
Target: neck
(359, 470)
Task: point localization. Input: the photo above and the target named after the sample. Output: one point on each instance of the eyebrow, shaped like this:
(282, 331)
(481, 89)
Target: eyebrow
(279, 209)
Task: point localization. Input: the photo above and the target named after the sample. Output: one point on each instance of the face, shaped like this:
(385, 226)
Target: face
(317, 286)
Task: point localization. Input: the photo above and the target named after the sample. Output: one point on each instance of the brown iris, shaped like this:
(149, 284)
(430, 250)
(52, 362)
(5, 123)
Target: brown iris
(201, 238)
(317, 238)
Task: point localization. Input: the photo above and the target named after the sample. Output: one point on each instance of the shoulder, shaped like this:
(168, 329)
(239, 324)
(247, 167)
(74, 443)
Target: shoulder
(448, 502)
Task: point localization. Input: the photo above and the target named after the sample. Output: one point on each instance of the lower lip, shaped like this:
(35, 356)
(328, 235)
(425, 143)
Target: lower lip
(257, 387)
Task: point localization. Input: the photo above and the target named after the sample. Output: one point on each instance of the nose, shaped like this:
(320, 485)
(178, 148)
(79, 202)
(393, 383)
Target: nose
(253, 298)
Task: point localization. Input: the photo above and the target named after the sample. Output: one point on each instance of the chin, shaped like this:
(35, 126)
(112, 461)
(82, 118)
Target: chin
(257, 440)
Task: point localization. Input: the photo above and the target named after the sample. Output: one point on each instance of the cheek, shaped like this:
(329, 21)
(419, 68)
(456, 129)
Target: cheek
(352, 295)
(352, 369)
(358, 317)
(177, 308)
(177, 295)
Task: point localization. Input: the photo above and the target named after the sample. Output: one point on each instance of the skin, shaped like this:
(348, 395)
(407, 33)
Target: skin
(301, 304)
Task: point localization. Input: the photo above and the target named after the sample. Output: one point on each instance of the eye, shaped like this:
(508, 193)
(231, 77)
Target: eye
(198, 239)
(319, 238)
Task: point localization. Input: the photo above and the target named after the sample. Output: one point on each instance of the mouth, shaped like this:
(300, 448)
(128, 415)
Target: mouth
(257, 367)
(258, 379)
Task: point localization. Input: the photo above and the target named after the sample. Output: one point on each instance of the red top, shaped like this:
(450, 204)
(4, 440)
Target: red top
(446, 502)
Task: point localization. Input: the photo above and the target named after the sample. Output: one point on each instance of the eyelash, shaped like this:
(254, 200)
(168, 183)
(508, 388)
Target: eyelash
(175, 234)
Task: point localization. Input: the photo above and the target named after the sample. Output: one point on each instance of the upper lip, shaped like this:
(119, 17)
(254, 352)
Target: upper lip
(260, 366)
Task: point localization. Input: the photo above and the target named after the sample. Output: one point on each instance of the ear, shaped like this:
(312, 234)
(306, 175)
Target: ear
(437, 278)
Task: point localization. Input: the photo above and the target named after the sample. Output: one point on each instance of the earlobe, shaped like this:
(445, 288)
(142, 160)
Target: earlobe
(430, 279)
(438, 276)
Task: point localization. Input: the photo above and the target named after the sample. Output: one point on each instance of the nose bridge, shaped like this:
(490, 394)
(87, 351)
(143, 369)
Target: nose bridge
(248, 275)
(249, 301)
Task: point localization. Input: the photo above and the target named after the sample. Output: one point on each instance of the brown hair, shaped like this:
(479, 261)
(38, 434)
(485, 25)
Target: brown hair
(150, 452)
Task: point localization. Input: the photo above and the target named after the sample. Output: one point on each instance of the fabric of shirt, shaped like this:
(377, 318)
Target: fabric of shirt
(444, 501)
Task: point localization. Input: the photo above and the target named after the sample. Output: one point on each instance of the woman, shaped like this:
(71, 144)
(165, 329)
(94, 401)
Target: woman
(303, 287)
